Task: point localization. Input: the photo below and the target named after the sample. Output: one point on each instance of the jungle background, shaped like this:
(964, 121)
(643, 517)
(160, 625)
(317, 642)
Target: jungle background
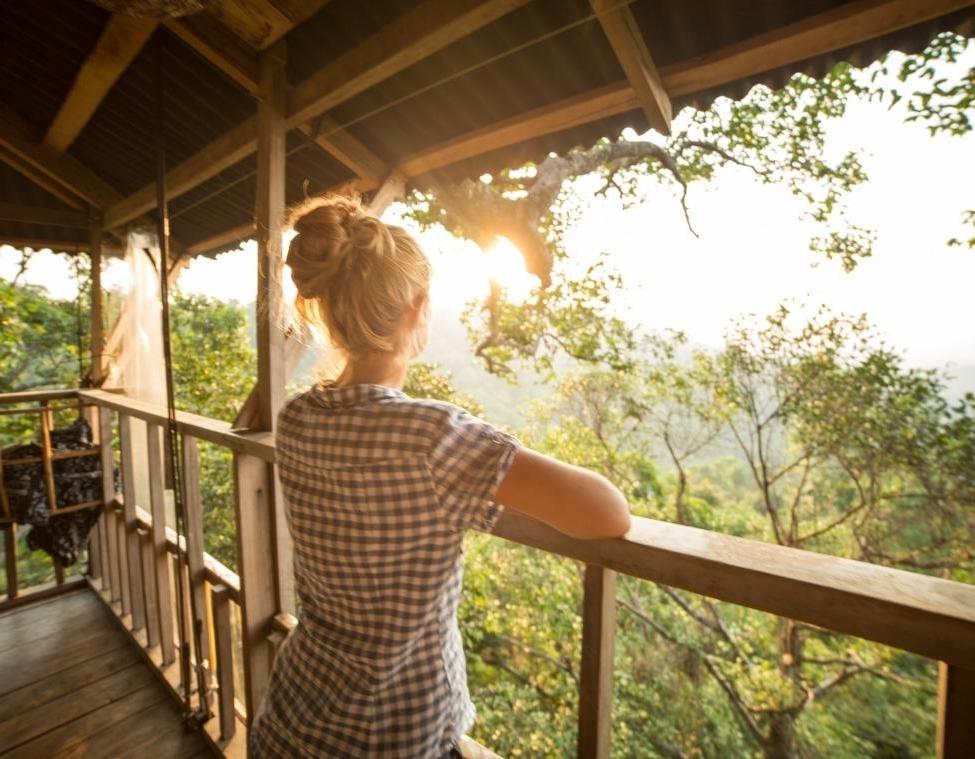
(804, 428)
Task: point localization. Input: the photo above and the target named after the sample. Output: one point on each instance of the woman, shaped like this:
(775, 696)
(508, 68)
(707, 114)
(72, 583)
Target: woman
(379, 489)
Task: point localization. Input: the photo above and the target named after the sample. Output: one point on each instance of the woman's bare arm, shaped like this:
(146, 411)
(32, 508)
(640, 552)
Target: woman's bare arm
(573, 500)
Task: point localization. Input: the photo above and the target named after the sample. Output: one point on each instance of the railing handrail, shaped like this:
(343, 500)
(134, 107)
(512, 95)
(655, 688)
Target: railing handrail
(927, 615)
(258, 444)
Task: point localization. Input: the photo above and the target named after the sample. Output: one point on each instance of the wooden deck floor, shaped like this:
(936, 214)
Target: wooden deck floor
(72, 684)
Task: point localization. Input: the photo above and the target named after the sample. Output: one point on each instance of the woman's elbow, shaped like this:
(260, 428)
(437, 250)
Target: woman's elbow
(611, 517)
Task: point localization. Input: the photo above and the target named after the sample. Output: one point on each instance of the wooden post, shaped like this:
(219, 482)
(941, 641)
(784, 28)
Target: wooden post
(194, 541)
(255, 561)
(148, 591)
(96, 330)
(121, 563)
(220, 596)
(956, 712)
(596, 669)
(268, 216)
(160, 554)
(268, 213)
(10, 552)
(106, 525)
(133, 564)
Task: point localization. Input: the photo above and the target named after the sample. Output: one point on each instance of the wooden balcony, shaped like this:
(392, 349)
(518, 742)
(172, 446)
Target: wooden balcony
(132, 576)
(74, 683)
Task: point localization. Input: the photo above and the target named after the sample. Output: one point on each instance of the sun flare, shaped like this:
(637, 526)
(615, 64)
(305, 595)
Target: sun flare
(506, 266)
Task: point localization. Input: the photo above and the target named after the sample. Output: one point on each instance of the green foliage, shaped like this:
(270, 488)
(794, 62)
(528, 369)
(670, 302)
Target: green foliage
(38, 339)
(214, 367)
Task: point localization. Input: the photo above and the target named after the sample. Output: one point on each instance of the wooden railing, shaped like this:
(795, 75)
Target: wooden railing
(132, 567)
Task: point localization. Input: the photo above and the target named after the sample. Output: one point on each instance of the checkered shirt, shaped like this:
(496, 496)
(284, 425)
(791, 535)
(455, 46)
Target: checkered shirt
(379, 489)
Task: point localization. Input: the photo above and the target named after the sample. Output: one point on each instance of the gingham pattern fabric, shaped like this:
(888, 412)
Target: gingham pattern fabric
(379, 489)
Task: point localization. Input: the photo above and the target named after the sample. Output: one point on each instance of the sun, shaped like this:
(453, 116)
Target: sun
(506, 266)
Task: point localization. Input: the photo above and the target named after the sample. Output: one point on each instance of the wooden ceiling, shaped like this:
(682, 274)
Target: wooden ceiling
(391, 88)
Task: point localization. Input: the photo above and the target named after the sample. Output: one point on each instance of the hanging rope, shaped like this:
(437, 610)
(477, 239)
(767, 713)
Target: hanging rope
(199, 715)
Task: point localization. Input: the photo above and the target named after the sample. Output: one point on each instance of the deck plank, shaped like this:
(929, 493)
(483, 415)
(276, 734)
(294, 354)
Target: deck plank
(32, 629)
(148, 729)
(67, 681)
(43, 718)
(39, 613)
(73, 683)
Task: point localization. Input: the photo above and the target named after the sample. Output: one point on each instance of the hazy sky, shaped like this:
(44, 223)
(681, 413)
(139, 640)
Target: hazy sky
(751, 253)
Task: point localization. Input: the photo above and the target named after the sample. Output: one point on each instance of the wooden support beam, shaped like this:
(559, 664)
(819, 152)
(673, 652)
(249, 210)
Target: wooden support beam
(241, 232)
(421, 32)
(256, 563)
(52, 217)
(223, 635)
(259, 23)
(120, 42)
(346, 149)
(57, 189)
(847, 24)
(128, 527)
(220, 154)
(596, 668)
(16, 138)
(160, 556)
(218, 45)
(268, 215)
(820, 34)
(195, 564)
(631, 51)
(956, 712)
(39, 243)
(555, 117)
(417, 34)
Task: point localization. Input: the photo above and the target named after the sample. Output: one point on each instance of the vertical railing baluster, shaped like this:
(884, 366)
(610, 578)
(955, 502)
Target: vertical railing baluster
(121, 562)
(134, 565)
(148, 591)
(956, 712)
(10, 551)
(596, 669)
(256, 564)
(220, 598)
(160, 553)
(106, 523)
(194, 537)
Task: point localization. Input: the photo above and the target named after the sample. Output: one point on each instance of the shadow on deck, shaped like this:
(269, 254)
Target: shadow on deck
(73, 684)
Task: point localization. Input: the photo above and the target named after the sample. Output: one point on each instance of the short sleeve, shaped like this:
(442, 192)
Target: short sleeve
(468, 461)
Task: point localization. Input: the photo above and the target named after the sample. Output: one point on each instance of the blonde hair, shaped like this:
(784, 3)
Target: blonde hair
(355, 275)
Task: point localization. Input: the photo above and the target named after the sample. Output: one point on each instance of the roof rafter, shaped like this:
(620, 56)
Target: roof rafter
(120, 42)
(67, 171)
(218, 45)
(429, 27)
(631, 51)
(417, 34)
(45, 182)
(53, 217)
(816, 35)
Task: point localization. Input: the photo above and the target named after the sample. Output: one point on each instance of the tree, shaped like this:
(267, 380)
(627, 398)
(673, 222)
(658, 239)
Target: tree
(777, 135)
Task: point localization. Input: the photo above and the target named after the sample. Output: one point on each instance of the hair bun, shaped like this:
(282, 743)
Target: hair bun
(336, 239)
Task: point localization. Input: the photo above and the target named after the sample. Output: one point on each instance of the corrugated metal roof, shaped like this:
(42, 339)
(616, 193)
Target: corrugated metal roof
(539, 54)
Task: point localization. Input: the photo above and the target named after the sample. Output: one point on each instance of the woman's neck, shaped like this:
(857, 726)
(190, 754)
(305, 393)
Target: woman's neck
(375, 369)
